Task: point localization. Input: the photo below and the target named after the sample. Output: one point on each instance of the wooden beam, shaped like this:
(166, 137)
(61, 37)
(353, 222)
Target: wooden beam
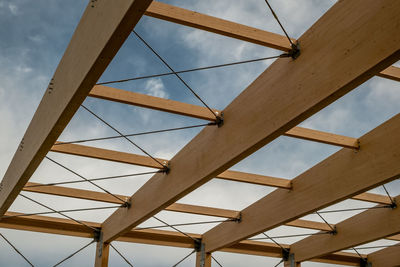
(104, 197)
(107, 154)
(152, 102)
(129, 158)
(385, 257)
(216, 25)
(340, 176)
(234, 30)
(374, 198)
(52, 225)
(323, 137)
(287, 93)
(254, 179)
(167, 105)
(392, 73)
(101, 32)
(123, 157)
(362, 228)
(176, 207)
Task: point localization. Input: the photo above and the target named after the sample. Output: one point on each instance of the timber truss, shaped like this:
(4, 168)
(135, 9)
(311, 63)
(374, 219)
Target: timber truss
(352, 42)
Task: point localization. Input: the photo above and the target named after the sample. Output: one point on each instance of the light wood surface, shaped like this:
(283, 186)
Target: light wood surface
(176, 207)
(287, 93)
(234, 30)
(392, 73)
(338, 177)
(387, 257)
(362, 228)
(52, 225)
(152, 102)
(107, 154)
(323, 137)
(167, 105)
(216, 25)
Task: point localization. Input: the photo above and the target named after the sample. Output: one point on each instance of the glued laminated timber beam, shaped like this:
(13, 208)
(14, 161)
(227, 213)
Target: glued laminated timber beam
(338, 177)
(368, 226)
(128, 158)
(284, 95)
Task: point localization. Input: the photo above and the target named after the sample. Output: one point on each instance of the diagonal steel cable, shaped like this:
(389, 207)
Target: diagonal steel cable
(62, 214)
(361, 257)
(16, 250)
(190, 70)
(177, 75)
(122, 256)
(287, 236)
(94, 179)
(135, 134)
(390, 197)
(124, 136)
(285, 249)
(176, 229)
(212, 257)
(73, 254)
(279, 22)
(186, 224)
(187, 256)
(87, 180)
(356, 209)
(330, 226)
(62, 211)
(276, 265)
(374, 247)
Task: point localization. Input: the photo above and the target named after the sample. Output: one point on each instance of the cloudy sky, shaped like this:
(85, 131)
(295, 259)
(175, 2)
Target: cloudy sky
(33, 37)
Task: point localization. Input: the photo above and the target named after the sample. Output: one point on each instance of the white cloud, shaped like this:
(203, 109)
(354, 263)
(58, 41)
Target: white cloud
(36, 38)
(13, 8)
(155, 87)
(19, 94)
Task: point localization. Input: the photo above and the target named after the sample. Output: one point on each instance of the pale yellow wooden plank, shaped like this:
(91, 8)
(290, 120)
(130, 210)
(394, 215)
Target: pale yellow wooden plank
(392, 73)
(147, 101)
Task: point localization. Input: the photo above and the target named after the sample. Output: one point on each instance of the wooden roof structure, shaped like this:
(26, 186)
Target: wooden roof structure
(337, 54)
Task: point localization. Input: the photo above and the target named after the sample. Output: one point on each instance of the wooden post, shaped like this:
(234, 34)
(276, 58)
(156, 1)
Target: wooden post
(102, 253)
(207, 260)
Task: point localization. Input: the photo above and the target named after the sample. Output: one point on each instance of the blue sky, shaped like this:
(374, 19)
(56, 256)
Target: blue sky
(33, 37)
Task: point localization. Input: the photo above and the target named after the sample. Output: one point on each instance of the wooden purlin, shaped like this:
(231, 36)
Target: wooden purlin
(52, 225)
(128, 158)
(101, 32)
(176, 207)
(234, 30)
(252, 121)
(32, 149)
(199, 112)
